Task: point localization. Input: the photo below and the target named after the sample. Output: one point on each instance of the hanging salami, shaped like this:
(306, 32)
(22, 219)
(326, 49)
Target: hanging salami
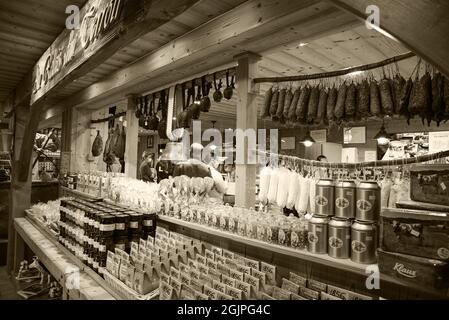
(321, 112)
(405, 99)
(267, 103)
(363, 95)
(274, 103)
(351, 102)
(397, 85)
(287, 103)
(420, 101)
(375, 106)
(339, 111)
(312, 107)
(301, 108)
(438, 107)
(330, 105)
(446, 98)
(294, 104)
(280, 107)
(386, 97)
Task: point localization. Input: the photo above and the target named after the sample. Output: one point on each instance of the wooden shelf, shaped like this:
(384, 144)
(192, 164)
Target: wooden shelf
(341, 264)
(58, 259)
(81, 194)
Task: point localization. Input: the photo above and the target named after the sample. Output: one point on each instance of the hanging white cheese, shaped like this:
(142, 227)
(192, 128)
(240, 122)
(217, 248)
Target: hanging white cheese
(273, 189)
(282, 194)
(293, 190)
(312, 192)
(264, 184)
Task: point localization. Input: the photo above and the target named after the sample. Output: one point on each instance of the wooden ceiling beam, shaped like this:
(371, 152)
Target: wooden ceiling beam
(422, 25)
(214, 44)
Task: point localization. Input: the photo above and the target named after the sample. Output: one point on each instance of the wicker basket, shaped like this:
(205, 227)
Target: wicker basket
(124, 291)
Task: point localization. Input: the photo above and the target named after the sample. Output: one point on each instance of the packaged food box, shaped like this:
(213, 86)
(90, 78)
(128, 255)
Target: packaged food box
(429, 273)
(430, 183)
(415, 232)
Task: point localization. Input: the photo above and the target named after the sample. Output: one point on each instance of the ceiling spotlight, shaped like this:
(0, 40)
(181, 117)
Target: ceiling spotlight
(355, 73)
(303, 44)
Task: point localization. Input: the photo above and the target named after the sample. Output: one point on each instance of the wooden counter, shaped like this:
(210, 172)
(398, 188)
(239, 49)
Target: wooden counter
(58, 262)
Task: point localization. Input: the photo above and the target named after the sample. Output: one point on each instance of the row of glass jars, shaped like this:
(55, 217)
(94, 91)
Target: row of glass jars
(272, 228)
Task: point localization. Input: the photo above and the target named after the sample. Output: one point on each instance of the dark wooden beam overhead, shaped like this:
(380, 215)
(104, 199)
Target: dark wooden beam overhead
(420, 25)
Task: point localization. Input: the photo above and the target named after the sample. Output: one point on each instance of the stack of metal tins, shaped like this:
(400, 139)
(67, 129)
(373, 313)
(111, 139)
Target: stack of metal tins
(324, 209)
(364, 229)
(340, 225)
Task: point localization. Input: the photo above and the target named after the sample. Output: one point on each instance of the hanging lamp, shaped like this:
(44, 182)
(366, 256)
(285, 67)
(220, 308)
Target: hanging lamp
(382, 137)
(308, 141)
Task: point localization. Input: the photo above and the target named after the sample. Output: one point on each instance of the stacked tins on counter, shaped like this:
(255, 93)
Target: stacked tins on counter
(344, 224)
(90, 229)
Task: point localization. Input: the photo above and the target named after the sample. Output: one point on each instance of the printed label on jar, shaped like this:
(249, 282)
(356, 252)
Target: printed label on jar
(364, 205)
(358, 246)
(335, 243)
(294, 239)
(119, 226)
(134, 225)
(321, 201)
(313, 238)
(107, 227)
(147, 223)
(342, 203)
(443, 253)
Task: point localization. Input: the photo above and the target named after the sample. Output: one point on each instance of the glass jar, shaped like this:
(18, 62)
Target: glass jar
(261, 230)
(284, 237)
(241, 228)
(272, 231)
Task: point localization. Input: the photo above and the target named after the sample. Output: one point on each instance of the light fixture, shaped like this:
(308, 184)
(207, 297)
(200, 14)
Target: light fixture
(308, 141)
(382, 136)
(303, 44)
(355, 73)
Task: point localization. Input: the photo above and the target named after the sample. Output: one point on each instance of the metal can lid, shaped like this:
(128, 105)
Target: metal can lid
(319, 219)
(326, 182)
(340, 222)
(369, 185)
(363, 225)
(345, 184)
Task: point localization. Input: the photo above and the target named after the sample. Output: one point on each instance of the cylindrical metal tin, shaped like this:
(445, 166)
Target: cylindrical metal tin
(363, 242)
(345, 199)
(325, 197)
(317, 236)
(368, 201)
(339, 238)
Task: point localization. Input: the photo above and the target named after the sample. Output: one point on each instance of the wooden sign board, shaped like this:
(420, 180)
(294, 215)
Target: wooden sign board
(100, 21)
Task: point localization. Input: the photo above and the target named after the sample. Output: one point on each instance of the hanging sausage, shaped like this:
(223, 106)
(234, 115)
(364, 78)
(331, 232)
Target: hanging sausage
(386, 97)
(321, 112)
(301, 109)
(267, 103)
(274, 104)
(339, 111)
(350, 102)
(282, 190)
(293, 106)
(97, 146)
(312, 107)
(438, 97)
(330, 106)
(363, 99)
(287, 103)
(375, 106)
(205, 91)
(281, 101)
(397, 84)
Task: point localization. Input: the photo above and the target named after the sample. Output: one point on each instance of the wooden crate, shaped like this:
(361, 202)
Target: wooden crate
(416, 232)
(430, 183)
(425, 272)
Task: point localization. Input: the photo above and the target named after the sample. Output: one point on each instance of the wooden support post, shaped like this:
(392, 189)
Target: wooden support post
(246, 120)
(66, 140)
(25, 127)
(132, 138)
